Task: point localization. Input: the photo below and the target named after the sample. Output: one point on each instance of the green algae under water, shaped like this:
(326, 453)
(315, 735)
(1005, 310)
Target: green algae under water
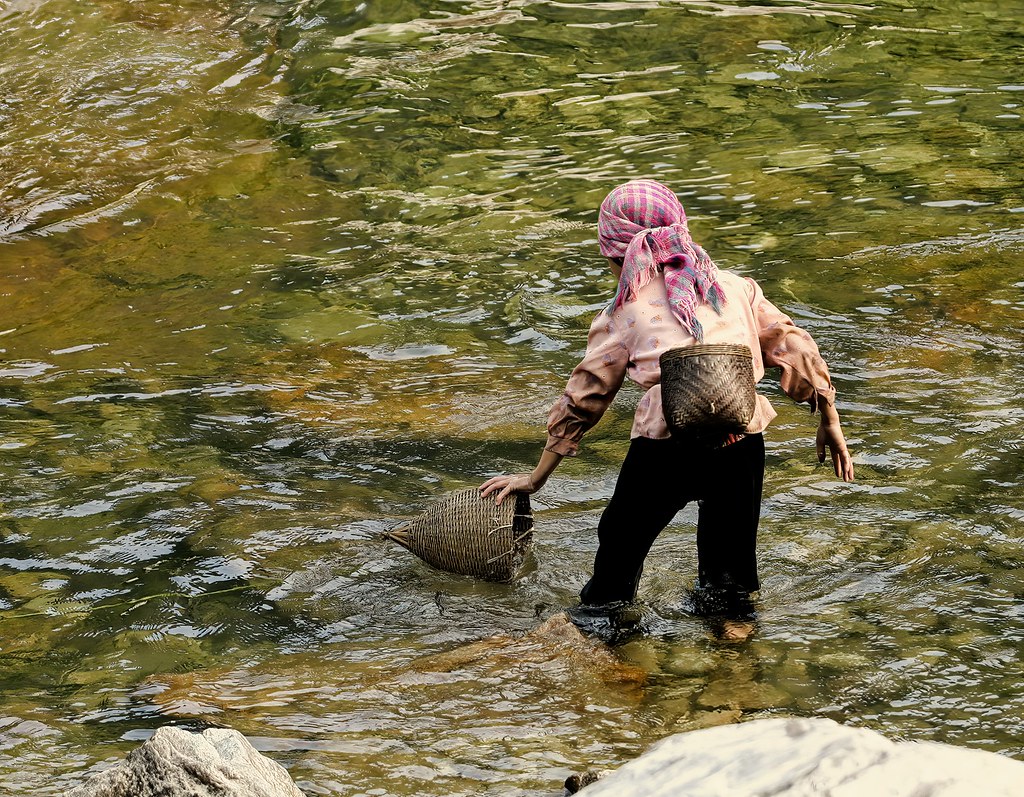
(273, 275)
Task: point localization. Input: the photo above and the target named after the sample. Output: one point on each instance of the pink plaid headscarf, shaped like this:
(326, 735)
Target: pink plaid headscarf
(643, 223)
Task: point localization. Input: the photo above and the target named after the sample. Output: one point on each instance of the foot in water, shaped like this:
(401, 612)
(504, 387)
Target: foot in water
(734, 630)
(612, 623)
(728, 611)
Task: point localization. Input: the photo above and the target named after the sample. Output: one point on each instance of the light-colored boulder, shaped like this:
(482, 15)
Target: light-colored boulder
(808, 758)
(176, 763)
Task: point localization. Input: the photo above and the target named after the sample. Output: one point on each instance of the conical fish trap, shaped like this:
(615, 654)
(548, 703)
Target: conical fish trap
(707, 391)
(464, 533)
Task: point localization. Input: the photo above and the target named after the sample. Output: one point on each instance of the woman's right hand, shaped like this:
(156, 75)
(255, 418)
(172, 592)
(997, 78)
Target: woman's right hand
(511, 483)
(522, 482)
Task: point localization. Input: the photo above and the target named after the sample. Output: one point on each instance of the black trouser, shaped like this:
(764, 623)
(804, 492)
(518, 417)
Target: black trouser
(657, 479)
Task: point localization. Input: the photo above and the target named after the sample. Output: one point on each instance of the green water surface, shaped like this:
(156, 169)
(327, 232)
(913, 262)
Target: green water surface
(274, 275)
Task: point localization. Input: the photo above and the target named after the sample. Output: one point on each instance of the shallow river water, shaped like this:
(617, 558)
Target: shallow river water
(274, 275)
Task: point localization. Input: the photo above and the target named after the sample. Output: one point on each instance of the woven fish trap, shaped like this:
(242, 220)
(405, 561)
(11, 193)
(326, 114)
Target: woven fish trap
(707, 391)
(466, 534)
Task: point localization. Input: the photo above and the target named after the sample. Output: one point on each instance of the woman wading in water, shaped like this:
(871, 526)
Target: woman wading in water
(670, 294)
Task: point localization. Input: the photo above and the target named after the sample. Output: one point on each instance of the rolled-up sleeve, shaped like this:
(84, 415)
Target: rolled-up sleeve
(590, 389)
(784, 345)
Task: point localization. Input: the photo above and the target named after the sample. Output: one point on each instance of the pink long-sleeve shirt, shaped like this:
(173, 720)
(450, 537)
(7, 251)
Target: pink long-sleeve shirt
(630, 341)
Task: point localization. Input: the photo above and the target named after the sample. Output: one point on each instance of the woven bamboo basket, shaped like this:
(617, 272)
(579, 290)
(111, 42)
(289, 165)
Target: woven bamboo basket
(466, 534)
(707, 391)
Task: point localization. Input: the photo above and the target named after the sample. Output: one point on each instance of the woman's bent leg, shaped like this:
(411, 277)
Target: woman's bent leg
(648, 493)
(730, 509)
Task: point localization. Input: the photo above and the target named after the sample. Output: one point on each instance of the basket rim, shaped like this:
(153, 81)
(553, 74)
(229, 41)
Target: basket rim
(697, 350)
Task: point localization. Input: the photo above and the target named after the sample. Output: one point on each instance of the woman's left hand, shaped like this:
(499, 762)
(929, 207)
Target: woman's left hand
(512, 483)
(830, 436)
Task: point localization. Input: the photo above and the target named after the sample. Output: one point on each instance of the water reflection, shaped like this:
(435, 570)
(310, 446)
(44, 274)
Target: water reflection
(274, 275)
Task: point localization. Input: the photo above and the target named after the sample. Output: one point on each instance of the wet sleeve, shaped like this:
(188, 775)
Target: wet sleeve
(590, 389)
(784, 345)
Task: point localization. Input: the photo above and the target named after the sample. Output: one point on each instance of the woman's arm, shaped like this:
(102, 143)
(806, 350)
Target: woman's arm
(805, 376)
(588, 393)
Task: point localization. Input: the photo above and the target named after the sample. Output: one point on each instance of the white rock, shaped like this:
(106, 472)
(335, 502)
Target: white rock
(175, 763)
(809, 758)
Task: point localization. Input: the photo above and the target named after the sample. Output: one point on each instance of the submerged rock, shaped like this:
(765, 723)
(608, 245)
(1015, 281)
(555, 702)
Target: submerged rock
(556, 644)
(803, 757)
(175, 763)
